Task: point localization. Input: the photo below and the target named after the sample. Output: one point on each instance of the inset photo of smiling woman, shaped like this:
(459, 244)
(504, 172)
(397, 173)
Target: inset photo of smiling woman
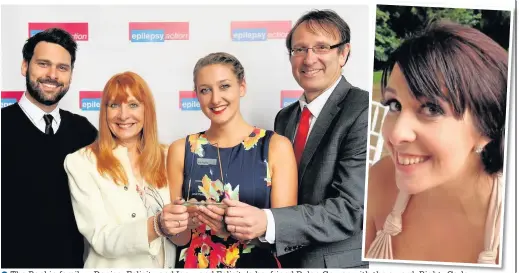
(436, 183)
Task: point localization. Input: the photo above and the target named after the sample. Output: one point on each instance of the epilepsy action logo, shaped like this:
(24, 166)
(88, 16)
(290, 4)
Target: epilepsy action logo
(187, 101)
(78, 30)
(247, 31)
(10, 97)
(290, 96)
(157, 32)
(90, 100)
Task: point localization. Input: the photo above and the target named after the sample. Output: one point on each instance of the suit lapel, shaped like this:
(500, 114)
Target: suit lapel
(293, 119)
(327, 114)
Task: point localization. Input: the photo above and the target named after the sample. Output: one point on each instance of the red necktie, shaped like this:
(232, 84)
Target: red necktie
(302, 133)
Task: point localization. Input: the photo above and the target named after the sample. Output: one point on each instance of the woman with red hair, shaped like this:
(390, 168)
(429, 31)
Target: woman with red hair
(119, 186)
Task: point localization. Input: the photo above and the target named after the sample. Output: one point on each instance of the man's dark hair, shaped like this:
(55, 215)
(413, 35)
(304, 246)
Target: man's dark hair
(322, 20)
(51, 35)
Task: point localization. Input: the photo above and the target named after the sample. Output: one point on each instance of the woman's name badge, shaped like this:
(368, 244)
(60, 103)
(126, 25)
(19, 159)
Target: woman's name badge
(206, 161)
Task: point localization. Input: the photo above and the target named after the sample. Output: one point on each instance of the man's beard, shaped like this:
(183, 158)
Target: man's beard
(35, 91)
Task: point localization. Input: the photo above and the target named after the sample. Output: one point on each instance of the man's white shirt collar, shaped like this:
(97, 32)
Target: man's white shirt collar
(318, 103)
(35, 114)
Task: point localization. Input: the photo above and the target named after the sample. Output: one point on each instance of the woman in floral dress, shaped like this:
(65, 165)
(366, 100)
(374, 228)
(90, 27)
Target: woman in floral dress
(232, 159)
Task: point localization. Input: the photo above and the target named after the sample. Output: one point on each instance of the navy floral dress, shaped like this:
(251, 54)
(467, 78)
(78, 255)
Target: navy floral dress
(239, 173)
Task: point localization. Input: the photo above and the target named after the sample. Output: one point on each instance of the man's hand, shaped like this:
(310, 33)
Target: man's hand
(244, 222)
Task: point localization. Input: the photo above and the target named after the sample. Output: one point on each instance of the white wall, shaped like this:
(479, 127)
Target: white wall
(167, 66)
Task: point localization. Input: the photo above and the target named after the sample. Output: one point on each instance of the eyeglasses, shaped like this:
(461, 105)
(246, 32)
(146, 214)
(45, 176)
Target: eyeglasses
(318, 49)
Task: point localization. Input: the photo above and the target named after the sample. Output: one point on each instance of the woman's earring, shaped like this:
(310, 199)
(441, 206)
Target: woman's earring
(478, 150)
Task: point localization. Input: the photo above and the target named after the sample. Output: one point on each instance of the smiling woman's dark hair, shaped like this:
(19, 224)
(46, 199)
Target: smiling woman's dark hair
(467, 69)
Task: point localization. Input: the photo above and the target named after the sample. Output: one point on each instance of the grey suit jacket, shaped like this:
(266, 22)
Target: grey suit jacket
(325, 229)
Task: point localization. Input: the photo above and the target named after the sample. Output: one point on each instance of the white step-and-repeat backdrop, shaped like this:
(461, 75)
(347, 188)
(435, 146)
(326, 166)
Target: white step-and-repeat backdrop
(163, 43)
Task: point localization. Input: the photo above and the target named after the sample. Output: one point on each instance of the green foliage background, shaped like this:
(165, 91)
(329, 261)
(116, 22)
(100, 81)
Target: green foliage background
(394, 23)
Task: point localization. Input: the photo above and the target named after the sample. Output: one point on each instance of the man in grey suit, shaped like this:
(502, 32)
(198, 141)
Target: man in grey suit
(328, 126)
